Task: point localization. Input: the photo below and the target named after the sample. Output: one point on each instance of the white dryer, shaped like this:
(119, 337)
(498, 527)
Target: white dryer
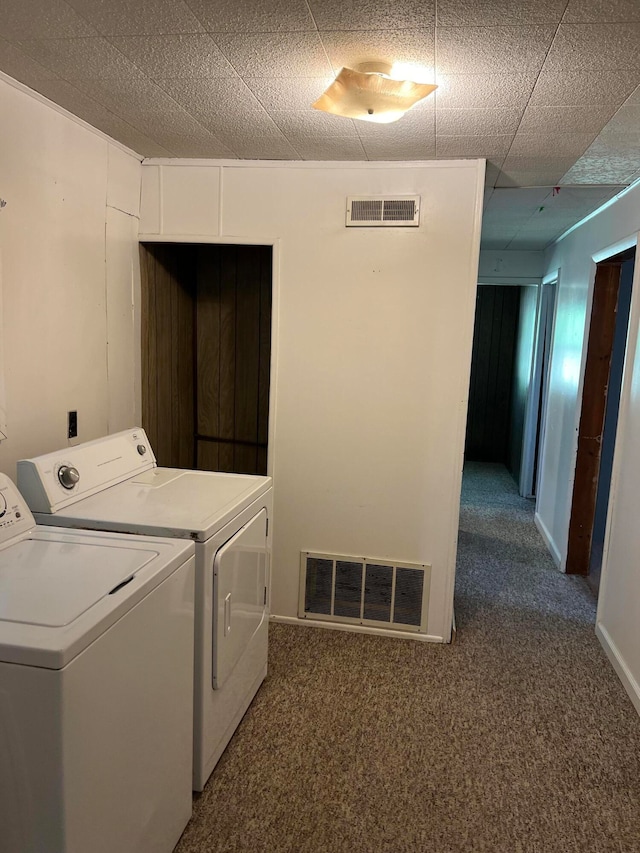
(96, 632)
(114, 483)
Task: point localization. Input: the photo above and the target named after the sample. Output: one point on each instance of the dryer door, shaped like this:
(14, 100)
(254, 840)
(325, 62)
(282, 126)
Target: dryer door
(240, 594)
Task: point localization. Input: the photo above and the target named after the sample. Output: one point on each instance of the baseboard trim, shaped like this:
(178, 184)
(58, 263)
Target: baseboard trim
(548, 540)
(356, 629)
(617, 661)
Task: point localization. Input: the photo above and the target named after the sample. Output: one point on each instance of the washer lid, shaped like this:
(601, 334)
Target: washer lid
(60, 590)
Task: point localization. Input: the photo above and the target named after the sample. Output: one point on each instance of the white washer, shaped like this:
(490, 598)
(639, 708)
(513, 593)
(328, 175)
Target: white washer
(113, 483)
(96, 633)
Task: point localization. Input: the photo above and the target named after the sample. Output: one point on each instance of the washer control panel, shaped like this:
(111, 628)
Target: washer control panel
(15, 516)
(51, 482)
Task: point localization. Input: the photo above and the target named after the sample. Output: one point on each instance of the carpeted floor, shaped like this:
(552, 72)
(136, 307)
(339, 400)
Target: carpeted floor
(517, 738)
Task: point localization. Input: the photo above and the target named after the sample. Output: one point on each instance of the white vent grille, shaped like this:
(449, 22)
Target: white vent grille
(364, 591)
(401, 210)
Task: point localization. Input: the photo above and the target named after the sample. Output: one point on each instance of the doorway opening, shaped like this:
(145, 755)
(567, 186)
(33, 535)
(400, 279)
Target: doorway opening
(206, 354)
(602, 385)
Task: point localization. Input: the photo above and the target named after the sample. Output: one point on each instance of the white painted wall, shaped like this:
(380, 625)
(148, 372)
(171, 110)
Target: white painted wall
(510, 267)
(69, 227)
(522, 374)
(575, 257)
(373, 332)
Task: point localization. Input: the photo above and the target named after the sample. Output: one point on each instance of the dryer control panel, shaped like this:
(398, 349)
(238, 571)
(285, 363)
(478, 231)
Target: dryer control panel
(15, 516)
(57, 480)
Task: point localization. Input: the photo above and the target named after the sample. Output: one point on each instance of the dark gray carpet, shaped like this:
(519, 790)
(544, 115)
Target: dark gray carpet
(516, 738)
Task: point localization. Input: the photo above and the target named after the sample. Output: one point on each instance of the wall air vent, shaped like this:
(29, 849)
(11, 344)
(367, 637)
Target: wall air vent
(364, 591)
(379, 211)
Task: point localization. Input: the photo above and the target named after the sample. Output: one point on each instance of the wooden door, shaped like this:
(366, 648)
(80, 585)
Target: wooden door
(592, 415)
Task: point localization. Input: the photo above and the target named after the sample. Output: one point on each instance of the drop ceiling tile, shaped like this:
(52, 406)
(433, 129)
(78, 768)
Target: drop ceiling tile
(400, 148)
(276, 54)
(492, 50)
(287, 93)
(313, 124)
(479, 13)
(595, 170)
(482, 122)
(533, 171)
(33, 19)
(269, 148)
(186, 144)
(22, 67)
(77, 59)
(591, 47)
(583, 88)
(601, 11)
(399, 15)
(205, 97)
(411, 47)
(469, 91)
(141, 18)
(340, 148)
(552, 120)
(473, 146)
(634, 97)
(543, 145)
(261, 16)
(194, 55)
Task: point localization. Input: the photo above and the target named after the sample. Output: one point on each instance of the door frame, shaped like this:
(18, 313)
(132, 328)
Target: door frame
(275, 314)
(539, 384)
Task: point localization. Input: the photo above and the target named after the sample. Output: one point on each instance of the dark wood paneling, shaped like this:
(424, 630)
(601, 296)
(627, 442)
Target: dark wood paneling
(167, 283)
(594, 399)
(206, 360)
(490, 387)
(234, 357)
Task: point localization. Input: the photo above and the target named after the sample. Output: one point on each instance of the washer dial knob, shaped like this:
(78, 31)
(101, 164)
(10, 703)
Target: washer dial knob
(68, 476)
(3, 505)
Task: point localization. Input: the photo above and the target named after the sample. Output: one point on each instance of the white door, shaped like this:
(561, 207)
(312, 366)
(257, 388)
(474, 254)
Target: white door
(239, 595)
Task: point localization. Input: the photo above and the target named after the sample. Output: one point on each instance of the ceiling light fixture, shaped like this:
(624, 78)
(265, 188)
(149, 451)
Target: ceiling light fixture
(368, 92)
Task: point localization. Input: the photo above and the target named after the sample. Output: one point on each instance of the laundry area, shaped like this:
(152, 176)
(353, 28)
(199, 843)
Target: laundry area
(233, 563)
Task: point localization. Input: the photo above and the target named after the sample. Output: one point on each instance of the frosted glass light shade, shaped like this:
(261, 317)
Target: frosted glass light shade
(371, 96)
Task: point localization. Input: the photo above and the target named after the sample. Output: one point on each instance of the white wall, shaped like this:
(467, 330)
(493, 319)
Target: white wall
(510, 267)
(373, 332)
(575, 257)
(69, 227)
(523, 363)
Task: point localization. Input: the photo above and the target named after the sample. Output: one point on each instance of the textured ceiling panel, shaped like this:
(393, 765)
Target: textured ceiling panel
(473, 91)
(483, 122)
(538, 88)
(596, 11)
(143, 18)
(591, 47)
(276, 54)
(583, 88)
(257, 16)
(554, 120)
(492, 49)
(351, 48)
(33, 19)
(399, 15)
(487, 13)
(194, 55)
(491, 147)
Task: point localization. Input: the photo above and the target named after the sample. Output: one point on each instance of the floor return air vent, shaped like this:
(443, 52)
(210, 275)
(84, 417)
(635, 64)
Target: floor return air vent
(378, 211)
(364, 591)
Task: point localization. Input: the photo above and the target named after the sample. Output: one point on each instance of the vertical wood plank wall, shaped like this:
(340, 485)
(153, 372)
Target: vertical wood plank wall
(206, 355)
(494, 344)
(234, 355)
(167, 284)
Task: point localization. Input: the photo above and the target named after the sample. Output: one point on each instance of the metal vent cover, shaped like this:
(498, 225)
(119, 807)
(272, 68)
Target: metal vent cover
(364, 591)
(382, 211)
